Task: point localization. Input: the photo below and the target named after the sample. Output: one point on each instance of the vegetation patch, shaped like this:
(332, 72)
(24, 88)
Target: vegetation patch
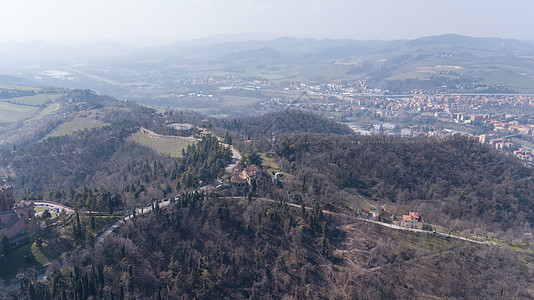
(48, 110)
(36, 100)
(40, 209)
(70, 127)
(18, 259)
(271, 167)
(10, 112)
(99, 223)
(171, 146)
(40, 257)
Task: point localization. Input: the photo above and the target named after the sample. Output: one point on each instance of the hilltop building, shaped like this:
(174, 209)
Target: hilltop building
(13, 218)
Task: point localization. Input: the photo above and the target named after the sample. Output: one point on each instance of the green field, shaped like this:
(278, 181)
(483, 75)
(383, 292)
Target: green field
(48, 110)
(13, 112)
(39, 209)
(37, 99)
(169, 146)
(70, 127)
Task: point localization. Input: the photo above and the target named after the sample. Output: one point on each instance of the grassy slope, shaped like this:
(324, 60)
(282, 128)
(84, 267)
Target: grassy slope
(48, 110)
(13, 113)
(81, 121)
(37, 99)
(17, 262)
(70, 127)
(169, 146)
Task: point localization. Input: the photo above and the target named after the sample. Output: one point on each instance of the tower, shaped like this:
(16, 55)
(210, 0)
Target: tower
(7, 198)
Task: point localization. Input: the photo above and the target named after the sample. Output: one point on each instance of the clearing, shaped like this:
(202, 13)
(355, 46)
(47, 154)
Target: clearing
(81, 121)
(169, 145)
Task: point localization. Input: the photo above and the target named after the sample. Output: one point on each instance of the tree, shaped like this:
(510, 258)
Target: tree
(5, 247)
(253, 158)
(46, 214)
(227, 139)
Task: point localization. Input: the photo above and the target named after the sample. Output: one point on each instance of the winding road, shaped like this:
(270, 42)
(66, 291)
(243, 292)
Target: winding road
(236, 157)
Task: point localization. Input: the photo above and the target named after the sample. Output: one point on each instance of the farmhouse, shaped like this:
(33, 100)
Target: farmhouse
(412, 220)
(13, 218)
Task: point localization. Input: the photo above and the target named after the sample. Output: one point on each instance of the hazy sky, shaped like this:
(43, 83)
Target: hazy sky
(161, 21)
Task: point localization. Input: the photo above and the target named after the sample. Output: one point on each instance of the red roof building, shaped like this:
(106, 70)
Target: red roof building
(412, 220)
(250, 173)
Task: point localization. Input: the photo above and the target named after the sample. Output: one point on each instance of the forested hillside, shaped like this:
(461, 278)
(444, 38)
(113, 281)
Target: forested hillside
(284, 122)
(298, 239)
(101, 168)
(204, 246)
(453, 179)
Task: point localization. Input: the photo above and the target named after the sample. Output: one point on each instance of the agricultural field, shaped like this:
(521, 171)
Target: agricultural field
(23, 108)
(171, 146)
(36, 100)
(10, 112)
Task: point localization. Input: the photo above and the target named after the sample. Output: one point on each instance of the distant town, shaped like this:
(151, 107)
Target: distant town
(505, 121)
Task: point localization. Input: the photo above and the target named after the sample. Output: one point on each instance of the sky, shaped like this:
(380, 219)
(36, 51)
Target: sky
(151, 22)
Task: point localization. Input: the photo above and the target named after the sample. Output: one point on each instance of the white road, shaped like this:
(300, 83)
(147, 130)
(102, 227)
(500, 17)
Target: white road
(138, 211)
(236, 157)
(392, 226)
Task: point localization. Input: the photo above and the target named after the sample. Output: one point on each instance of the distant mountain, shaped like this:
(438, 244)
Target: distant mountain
(443, 63)
(264, 55)
(448, 40)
